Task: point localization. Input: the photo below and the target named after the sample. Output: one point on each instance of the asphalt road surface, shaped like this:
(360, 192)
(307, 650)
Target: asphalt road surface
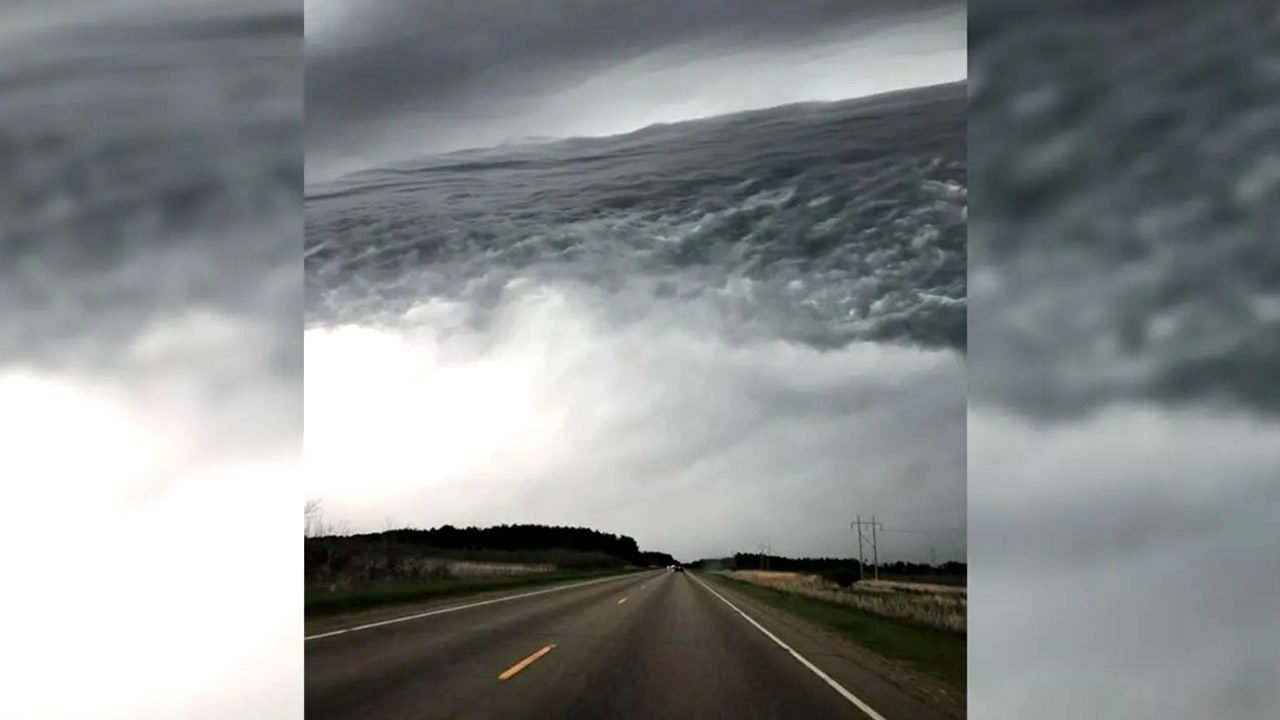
(647, 645)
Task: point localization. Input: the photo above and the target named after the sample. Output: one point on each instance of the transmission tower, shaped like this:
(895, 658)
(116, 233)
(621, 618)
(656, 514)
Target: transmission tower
(867, 536)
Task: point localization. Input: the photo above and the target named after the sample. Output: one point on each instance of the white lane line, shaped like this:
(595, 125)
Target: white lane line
(803, 661)
(455, 608)
(622, 601)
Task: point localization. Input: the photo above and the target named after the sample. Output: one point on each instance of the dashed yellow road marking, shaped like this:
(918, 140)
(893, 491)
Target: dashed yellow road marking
(511, 671)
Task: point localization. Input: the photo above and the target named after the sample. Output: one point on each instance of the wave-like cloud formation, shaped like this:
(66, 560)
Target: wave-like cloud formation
(695, 334)
(818, 223)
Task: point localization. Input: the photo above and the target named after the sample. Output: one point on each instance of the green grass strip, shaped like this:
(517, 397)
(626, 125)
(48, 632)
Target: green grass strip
(938, 653)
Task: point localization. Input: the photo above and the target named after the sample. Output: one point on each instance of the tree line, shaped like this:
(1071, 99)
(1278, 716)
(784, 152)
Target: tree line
(842, 570)
(520, 537)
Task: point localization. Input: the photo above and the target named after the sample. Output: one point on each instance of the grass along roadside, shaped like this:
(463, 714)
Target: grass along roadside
(320, 603)
(943, 607)
(934, 652)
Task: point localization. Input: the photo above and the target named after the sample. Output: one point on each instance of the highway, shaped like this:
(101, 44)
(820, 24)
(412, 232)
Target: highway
(648, 645)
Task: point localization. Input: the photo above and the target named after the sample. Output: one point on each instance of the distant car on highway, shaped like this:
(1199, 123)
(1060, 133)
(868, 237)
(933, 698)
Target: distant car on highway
(677, 568)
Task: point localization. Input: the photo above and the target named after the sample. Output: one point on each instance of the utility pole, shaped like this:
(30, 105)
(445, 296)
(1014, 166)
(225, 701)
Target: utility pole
(874, 552)
(867, 535)
(856, 526)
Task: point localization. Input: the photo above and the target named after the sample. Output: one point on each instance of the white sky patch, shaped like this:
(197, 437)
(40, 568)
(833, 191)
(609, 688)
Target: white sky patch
(155, 569)
(115, 452)
(657, 428)
(325, 18)
(402, 416)
(1127, 565)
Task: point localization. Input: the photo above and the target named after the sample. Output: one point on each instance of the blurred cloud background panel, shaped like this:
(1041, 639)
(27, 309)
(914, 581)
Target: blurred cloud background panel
(150, 358)
(1124, 436)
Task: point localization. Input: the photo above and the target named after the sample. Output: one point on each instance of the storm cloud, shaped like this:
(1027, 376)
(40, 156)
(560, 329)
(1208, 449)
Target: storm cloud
(661, 428)
(1124, 425)
(706, 335)
(150, 363)
(391, 79)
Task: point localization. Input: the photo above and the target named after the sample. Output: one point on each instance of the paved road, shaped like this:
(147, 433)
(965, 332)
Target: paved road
(647, 645)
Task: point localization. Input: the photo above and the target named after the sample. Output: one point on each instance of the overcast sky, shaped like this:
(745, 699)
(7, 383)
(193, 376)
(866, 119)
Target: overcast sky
(662, 428)
(634, 412)
(1124, 427)
(150, 358)
(391, 80)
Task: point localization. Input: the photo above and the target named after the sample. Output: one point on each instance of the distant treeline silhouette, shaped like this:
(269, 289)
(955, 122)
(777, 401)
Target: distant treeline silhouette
(402, 553)
(517, 537)
(651, 557)
(842, 570)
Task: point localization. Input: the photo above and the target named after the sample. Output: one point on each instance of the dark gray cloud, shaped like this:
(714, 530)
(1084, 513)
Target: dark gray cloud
(1125, 290)
(109, 182)
(705, 335)
(1126, 245)
(384, 53)
(427, 68)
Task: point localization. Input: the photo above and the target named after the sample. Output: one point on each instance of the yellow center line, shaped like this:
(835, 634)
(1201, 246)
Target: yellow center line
(622, 601)
(511, 671)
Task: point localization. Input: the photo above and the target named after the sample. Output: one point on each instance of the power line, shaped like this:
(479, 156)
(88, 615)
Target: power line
(866, 531)
(868, 538)
(875, 552)
(764, 551)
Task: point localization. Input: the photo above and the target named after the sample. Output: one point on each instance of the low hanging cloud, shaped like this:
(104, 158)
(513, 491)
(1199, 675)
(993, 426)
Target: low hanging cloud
(707, 336)
(660, 428)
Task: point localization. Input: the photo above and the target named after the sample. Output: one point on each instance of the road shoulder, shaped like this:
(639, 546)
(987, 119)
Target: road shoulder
(901, 691)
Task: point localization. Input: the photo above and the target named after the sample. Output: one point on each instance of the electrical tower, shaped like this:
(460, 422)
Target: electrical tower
(765, 550)
(867, 535)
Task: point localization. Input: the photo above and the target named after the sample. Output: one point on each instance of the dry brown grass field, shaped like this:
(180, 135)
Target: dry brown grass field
(464, 568)
(938, 606)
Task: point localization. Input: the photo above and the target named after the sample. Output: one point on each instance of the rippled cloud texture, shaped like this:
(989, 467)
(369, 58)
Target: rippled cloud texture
(1123, 435)
(705, 335)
